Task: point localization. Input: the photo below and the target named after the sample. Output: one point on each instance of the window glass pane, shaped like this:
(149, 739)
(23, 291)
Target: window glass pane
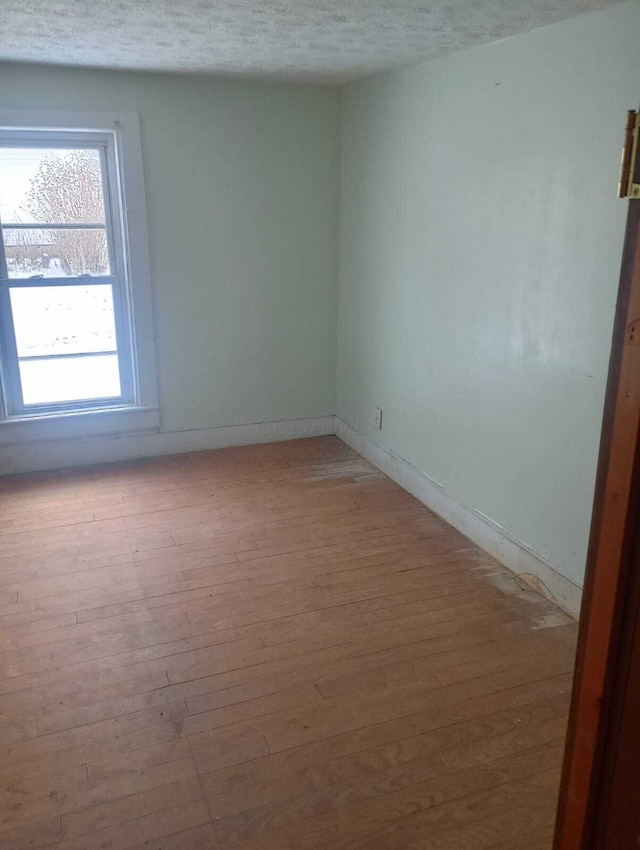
(51, 186)
(69, 379)
(63, 319)
(67, 252)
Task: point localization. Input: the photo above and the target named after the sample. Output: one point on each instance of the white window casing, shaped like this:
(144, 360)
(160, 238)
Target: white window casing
(117, 137)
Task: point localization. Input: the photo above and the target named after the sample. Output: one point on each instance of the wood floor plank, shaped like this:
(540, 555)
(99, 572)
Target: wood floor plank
(406, 813)
(267, 647)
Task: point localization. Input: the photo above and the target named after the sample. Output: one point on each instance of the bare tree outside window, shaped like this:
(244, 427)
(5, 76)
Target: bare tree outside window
(66, 189)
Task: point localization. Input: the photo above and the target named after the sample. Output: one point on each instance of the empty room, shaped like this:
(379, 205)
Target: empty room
(319, 406)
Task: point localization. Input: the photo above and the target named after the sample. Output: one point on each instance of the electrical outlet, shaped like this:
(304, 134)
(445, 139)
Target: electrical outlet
(377, 418)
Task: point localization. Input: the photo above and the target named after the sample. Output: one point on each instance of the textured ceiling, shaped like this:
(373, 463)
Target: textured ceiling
(323, 41)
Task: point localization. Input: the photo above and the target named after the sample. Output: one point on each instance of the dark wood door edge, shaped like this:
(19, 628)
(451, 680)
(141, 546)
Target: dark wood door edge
(609, 564)
(616, 811)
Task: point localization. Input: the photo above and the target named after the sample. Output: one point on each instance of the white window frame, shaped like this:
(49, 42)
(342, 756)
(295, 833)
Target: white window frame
(118, 136)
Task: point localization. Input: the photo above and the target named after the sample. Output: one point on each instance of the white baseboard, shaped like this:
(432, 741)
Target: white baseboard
(487, 534)
(80, 451)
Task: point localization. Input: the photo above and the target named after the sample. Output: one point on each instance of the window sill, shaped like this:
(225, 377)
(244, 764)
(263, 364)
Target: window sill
(110, 422)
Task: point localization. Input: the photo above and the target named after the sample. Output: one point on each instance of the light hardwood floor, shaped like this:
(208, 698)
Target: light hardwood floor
(267, 648)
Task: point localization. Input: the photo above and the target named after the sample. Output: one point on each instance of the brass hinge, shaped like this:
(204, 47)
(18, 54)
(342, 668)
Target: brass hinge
(626, 186)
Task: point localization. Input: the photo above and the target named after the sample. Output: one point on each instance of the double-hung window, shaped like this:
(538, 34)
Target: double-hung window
(69, 339)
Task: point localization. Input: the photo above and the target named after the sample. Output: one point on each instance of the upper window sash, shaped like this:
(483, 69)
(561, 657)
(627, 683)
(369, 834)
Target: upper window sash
(113, 225)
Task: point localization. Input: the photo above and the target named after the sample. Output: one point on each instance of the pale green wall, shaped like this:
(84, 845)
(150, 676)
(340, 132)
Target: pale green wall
(480, 249)
(242, 192)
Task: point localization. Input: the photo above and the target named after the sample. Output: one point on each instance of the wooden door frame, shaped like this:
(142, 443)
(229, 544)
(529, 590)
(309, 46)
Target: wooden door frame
(610, 614)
